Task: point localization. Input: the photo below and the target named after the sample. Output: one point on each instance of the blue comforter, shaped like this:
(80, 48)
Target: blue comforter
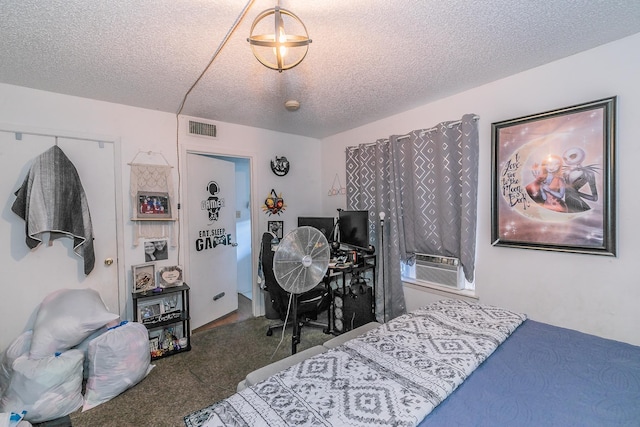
(544, 375)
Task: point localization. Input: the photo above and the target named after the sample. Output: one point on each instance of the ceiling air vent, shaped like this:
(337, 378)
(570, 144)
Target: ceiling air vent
(202, 129)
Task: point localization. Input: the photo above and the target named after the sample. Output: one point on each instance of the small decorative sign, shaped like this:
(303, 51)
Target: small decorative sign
(170, 276)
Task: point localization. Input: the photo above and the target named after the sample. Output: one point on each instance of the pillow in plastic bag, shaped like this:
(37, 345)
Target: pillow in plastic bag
(46, 388)
(65, 318)
(118, 359)
(17, 348)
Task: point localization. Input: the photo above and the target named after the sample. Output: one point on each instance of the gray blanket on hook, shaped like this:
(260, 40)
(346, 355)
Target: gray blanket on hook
(52, 199)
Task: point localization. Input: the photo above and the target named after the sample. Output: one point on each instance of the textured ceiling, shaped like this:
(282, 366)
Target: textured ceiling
(369, 59)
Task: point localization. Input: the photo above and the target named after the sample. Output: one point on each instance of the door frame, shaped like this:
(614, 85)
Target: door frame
(193, 147)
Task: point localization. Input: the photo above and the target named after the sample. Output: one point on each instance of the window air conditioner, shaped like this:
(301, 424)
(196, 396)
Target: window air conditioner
(439, 270)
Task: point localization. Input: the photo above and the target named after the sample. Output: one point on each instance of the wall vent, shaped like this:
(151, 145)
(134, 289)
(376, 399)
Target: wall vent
(202, 129)
(439, 270)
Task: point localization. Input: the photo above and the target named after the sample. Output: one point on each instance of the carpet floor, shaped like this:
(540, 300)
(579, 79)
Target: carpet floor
(189, 381)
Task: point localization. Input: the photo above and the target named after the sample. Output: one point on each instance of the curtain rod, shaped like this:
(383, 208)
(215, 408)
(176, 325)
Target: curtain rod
(422, 133)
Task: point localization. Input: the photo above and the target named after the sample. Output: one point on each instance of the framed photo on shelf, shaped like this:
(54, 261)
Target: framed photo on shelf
(144, 277)
(152, 205)
(170, 276)
(553, 180)
(150, 312)
(276, 228)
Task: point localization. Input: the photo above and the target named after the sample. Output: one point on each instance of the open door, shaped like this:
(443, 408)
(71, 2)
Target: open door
(211, 238)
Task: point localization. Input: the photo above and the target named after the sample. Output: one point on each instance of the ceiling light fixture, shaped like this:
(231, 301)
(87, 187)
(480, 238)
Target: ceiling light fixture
(279, 51)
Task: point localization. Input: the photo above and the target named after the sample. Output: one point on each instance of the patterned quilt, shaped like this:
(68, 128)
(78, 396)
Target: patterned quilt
(392, 375)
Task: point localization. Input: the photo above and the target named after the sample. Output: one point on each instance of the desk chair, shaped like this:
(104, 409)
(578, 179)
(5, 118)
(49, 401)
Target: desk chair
(308, 304)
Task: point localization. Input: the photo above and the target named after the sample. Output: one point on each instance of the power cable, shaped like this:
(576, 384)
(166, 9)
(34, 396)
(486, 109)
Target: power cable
(184, 100)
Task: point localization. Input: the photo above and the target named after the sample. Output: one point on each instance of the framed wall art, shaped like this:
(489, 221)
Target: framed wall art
(144, 277)
(152, 205)
(553, 180)
(276, 227)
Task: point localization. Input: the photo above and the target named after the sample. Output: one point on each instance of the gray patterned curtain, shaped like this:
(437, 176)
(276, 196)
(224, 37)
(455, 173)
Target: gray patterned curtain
(426, 184)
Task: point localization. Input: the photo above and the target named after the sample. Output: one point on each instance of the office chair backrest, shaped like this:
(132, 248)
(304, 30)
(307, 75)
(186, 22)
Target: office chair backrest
(278, 295)
(310, 303)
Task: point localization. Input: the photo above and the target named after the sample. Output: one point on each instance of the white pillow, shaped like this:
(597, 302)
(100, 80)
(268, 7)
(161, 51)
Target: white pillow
(17, 348)
(46, 388)
(65, 318)
(118, 359)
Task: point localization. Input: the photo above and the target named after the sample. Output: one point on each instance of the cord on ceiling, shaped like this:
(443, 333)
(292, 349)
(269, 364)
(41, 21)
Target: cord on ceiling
(186, 95)
(224, 41)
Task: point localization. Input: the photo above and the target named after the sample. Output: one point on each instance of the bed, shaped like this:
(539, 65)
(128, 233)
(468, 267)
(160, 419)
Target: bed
(450, 363)
(543, 375)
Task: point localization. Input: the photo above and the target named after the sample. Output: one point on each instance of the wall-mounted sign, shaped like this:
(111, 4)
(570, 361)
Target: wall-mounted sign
(280, 166)
(209, 239)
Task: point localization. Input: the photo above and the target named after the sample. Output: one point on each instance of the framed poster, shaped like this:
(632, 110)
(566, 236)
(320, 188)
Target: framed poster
(553, 180)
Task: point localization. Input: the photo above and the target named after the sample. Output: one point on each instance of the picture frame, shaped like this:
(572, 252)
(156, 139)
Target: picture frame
(150, 312)
(276, 227)
(170, 276)
(553, 180)
(156, 250)
(144, 277)
(153, 205)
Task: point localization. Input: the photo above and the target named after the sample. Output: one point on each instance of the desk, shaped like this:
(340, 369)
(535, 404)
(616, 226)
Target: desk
(350, 308)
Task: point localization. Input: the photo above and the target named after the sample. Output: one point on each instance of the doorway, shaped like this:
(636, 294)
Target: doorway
(243, 291)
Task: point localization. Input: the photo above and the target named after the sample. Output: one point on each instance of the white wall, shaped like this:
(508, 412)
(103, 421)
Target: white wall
(593, 294)
(140, 129)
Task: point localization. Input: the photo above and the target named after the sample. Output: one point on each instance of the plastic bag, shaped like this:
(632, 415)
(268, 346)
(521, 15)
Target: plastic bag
(47, 388)
(65, 318)
(18, 347)
(118, 359)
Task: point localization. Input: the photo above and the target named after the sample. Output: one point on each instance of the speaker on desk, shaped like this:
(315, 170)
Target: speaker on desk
(352, 308)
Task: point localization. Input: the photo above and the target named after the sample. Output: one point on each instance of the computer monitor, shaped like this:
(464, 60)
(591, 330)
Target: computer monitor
(354, 229)
(324, 224)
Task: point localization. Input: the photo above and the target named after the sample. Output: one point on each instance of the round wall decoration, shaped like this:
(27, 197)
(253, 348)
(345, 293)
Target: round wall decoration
(280, 166)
